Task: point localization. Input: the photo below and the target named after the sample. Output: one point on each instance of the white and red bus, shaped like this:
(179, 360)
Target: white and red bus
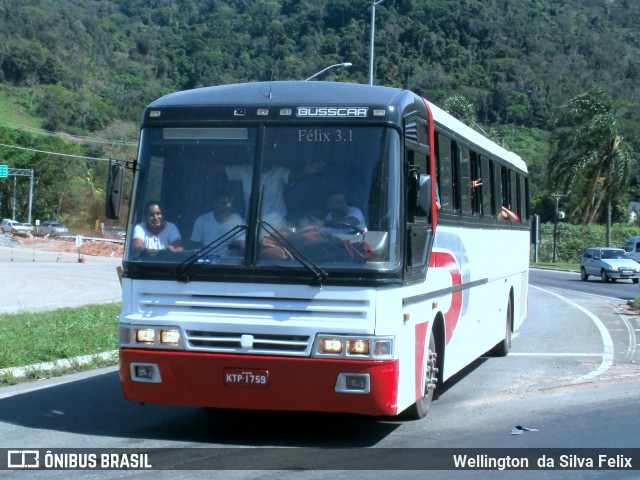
(288, 307)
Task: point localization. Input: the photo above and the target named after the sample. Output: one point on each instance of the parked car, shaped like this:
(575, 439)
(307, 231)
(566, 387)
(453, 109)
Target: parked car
(7, 224)
(53, 229)
(610, 264)
(25, 227)
(15, 227)
(632, 247)
(115, 232)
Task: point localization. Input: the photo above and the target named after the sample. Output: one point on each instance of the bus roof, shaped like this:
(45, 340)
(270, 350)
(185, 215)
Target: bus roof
(285, 93)
(452, 124)
(319, 93)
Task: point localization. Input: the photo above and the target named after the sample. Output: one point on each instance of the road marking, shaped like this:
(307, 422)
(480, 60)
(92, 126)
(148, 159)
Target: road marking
(631, 351)
(555, 354)
(607, 342)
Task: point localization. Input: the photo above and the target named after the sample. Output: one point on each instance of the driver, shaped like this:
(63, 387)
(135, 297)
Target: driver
(341, 217)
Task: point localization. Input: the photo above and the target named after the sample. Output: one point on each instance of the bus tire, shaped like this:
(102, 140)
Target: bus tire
(502, 349)
(429, 384)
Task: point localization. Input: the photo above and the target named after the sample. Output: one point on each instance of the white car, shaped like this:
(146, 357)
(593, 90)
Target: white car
(13, 226)
(610, 264)
(7, 225)
(25, 227)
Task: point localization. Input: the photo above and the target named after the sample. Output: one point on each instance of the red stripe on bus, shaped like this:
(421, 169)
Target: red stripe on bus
(446, 260)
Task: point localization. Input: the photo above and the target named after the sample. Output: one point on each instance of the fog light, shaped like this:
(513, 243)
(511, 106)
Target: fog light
(145, 372)
(146, 335)
(358, 347)
(356, 383)
(353, 383)
(170, 337)
(331, 345)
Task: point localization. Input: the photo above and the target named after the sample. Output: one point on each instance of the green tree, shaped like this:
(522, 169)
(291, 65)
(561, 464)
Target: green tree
(461, 108)
(591, 159)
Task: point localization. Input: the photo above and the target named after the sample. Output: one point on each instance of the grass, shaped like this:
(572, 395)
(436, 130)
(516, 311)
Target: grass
(12, 110)
(29, 339)
(573, 267)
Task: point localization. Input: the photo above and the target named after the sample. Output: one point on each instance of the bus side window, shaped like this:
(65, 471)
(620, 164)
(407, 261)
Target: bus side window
(514, 196)
(445, 172)
(487, 186)
(466, 189)
(498, 186)
(504, 186)
(477, 190)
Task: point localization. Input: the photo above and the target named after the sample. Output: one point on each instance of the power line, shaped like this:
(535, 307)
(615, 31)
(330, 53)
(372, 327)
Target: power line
(67, 136)
(53, 153)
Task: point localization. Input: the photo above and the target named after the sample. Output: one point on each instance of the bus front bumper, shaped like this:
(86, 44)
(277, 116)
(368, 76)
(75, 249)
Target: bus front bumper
(259, 382)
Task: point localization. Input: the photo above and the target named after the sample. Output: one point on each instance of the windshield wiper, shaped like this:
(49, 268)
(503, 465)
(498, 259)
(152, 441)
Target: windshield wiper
(184, 267)
(319, 275)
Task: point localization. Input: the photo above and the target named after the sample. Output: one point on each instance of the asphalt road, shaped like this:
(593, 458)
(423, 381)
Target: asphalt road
(37, 280)
(570, 376)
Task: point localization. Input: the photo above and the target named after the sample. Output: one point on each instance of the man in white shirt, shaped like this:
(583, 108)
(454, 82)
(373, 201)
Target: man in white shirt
(212, 225)
(273, 183)
(342, 217)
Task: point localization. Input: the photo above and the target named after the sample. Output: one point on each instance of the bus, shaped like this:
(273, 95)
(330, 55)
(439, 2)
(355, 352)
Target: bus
(356, 254)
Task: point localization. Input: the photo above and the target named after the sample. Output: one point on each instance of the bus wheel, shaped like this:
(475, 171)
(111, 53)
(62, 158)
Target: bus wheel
(420, 409)
(502, 348)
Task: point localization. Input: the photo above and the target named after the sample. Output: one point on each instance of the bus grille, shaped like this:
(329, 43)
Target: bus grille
(245, 343)
(258, 325)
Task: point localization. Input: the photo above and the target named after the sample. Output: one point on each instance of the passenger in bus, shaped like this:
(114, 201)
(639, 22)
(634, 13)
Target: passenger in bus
(212, 225)
(155, 234)
(343, 218)
(273, 181)
(508, 215)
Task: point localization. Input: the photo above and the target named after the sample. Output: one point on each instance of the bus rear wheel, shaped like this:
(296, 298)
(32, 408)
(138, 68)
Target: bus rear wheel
(429, 384)
(502, 348)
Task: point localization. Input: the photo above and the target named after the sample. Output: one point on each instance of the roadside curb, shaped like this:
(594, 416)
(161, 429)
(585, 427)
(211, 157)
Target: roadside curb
(21, 372)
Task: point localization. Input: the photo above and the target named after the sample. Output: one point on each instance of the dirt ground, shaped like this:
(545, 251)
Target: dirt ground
(100, 248)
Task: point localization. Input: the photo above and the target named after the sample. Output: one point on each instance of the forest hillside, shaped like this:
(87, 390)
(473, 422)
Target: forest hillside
(76, 74)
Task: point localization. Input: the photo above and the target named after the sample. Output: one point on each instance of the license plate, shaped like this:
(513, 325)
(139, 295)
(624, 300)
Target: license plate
(246, 377)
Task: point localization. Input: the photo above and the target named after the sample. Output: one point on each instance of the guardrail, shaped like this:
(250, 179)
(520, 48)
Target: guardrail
(90, 239)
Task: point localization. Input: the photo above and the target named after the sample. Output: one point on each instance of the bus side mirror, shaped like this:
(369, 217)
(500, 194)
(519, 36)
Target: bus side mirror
(423, 207)
(114, 189)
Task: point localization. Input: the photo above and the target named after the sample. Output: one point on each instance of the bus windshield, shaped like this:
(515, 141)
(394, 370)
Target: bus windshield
(281, 196)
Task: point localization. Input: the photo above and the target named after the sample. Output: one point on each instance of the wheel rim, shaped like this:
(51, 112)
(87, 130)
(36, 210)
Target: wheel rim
(431, 371)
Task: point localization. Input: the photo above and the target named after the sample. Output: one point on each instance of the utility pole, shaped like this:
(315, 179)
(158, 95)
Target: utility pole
(373, 28)
(557, 196)
(20, 172)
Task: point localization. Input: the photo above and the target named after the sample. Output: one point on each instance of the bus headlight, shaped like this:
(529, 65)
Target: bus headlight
(382, 348)
(152, 337)
(145, 335)
(358, 347)
(354, 347)
(170, 337)
(331, 345)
